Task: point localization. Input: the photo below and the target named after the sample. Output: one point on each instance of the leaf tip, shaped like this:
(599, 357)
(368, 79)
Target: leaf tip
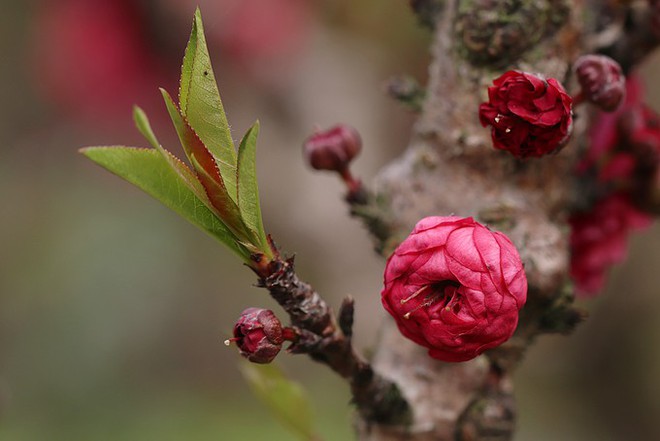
(197, 22)
(138, 114)
(90, 151)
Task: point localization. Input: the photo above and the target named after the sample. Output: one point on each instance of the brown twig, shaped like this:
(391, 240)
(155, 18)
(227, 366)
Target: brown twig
(329, 342)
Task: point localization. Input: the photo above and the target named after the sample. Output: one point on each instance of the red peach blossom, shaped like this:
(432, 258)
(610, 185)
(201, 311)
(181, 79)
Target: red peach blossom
(455, 287)
(529, 115)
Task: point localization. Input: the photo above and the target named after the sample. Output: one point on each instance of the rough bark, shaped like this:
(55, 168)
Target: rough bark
(451, 167)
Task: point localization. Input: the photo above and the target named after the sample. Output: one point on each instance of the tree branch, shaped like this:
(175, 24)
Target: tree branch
(378, 400)
(451, 167)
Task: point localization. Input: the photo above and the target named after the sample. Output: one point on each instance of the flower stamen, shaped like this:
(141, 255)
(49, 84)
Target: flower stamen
(415, 294)
(445, 291)
(429, 302)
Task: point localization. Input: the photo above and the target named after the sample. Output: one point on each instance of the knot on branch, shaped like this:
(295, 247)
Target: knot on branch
(304, 305)
(498, 32)
(491, 417)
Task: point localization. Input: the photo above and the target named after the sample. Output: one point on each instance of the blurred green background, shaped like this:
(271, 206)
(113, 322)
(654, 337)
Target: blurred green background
(113, 310)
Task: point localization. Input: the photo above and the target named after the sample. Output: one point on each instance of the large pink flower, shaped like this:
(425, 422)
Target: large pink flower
(455, 287)
(529, 115)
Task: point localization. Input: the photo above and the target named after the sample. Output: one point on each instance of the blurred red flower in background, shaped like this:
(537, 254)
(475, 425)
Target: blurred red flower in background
(622, 160)
(92, 58)
(599, 239)
(262, 38)
(604, 133)
(267, 31)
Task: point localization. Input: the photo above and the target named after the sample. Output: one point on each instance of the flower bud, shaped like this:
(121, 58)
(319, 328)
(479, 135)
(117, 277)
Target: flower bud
(332, 149)
(455, 287)
(602, 81)
(529, 115)
(258, 335)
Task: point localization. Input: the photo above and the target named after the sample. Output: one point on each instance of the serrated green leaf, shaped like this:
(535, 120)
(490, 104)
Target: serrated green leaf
(200, 104)
(285, 398)
(248, 191)
(150, 171)
(207, 171)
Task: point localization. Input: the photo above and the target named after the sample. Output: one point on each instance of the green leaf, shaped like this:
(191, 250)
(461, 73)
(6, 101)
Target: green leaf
(208, 173)
(143, 125)
(248, 191)
(150, 171)
(200, 104)
(286, 399)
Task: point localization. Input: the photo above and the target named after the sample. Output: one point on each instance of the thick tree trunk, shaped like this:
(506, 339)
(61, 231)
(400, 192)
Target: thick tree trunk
(451, 167)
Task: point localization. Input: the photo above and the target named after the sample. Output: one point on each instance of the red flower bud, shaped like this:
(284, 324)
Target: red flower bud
(455, 287)
(599, 240)
(529, 116)
(332, 149)
(258, 335)
(602, 81)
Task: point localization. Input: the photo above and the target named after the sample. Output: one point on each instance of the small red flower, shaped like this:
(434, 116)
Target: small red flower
(455, 287)
(258, 335)
(529, 116)
(599, 240)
